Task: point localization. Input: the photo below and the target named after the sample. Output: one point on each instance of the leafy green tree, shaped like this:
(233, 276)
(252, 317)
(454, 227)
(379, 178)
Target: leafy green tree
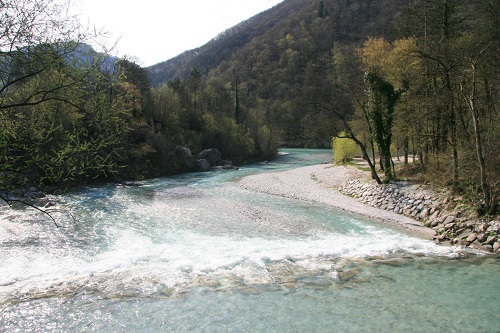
(344, 149)
(321, 9)
(382, 99)
(226, 135)
(44, 64)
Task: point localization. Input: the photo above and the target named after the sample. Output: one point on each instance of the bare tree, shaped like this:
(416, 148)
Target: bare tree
(471, 99)
(338, 108)
(38, 36)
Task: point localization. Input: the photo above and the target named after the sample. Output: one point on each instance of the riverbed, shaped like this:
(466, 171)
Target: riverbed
(202, 253)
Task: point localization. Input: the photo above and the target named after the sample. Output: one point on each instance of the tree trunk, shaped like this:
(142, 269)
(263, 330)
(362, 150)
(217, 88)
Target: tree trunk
(454, 147)
(366, 157)
(406, 149)
(471, 102)
(389, 175)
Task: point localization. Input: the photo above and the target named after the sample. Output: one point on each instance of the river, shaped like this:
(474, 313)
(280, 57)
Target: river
(197, 253)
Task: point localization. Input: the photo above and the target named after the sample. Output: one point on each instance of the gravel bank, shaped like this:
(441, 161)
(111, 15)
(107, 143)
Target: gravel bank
(319, 184)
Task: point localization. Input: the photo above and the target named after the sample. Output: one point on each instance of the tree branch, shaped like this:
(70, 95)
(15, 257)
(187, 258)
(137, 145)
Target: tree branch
(10, 201)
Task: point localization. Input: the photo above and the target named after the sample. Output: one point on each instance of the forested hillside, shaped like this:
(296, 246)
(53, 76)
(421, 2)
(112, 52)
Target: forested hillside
(275, 60)
(347, 22)
(416, 79)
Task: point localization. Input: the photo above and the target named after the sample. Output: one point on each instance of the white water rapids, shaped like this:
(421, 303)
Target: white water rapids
(198, 253)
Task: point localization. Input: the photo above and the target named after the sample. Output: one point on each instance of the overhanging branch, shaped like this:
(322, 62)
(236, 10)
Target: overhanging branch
(10, 201)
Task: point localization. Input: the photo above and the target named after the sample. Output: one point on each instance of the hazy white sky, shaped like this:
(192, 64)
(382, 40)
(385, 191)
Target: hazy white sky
(156, 30)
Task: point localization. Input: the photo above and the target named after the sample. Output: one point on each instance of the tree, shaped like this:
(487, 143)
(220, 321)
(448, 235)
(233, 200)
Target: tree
(338, 106)
(44, 64)
(321, 9)
(344, 149)
(38, 37)
(42, 59)
(470, 97)
(136, 76)
(438, 26)
(382, 99)
(456, 95)
(479, 77)
(389, 67)
(45, 71)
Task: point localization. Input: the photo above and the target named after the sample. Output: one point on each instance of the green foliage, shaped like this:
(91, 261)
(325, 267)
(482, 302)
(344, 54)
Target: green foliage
(226, 135)
(344, 149)
(208, 112)
(79, 134)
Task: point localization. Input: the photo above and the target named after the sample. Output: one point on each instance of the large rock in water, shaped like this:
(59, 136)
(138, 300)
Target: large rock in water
(212, 155)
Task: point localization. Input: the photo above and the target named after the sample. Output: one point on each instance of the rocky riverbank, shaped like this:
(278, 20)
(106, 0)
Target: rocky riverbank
(452, 222)
(414, 207)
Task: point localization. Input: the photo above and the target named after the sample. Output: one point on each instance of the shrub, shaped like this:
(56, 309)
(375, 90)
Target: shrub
(344, 149)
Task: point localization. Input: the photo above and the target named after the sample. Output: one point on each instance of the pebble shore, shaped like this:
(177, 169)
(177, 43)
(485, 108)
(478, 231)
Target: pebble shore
(320, 184)
(412, 207)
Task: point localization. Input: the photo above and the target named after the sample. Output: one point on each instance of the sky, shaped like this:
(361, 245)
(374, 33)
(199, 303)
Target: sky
(152, 31)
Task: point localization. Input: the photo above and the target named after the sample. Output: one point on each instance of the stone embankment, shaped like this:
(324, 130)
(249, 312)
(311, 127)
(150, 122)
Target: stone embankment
(451, 222)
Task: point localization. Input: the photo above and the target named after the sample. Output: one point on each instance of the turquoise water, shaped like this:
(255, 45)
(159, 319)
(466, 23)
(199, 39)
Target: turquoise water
(196, 253)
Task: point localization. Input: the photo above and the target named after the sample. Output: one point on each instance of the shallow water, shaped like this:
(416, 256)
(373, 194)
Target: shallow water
(197, 253)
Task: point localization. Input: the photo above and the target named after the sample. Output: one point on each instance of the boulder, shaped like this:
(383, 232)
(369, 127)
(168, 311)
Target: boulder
(183, 151)
(470, 224)
(449, 219)
(477, 245)
(482, 237)
(185, 157)
(490, 240)
(493, 228)
(451, 225)
(202, 165)
(433, 222)
(464, 234)
(435, 214)
(481, 227)
(212, 155)
(496, 246)
(471, 238)
(424, 213)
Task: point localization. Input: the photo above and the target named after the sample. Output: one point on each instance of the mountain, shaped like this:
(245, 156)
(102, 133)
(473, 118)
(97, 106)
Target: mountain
(279, 63)
(219, 48)
(344, 21)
